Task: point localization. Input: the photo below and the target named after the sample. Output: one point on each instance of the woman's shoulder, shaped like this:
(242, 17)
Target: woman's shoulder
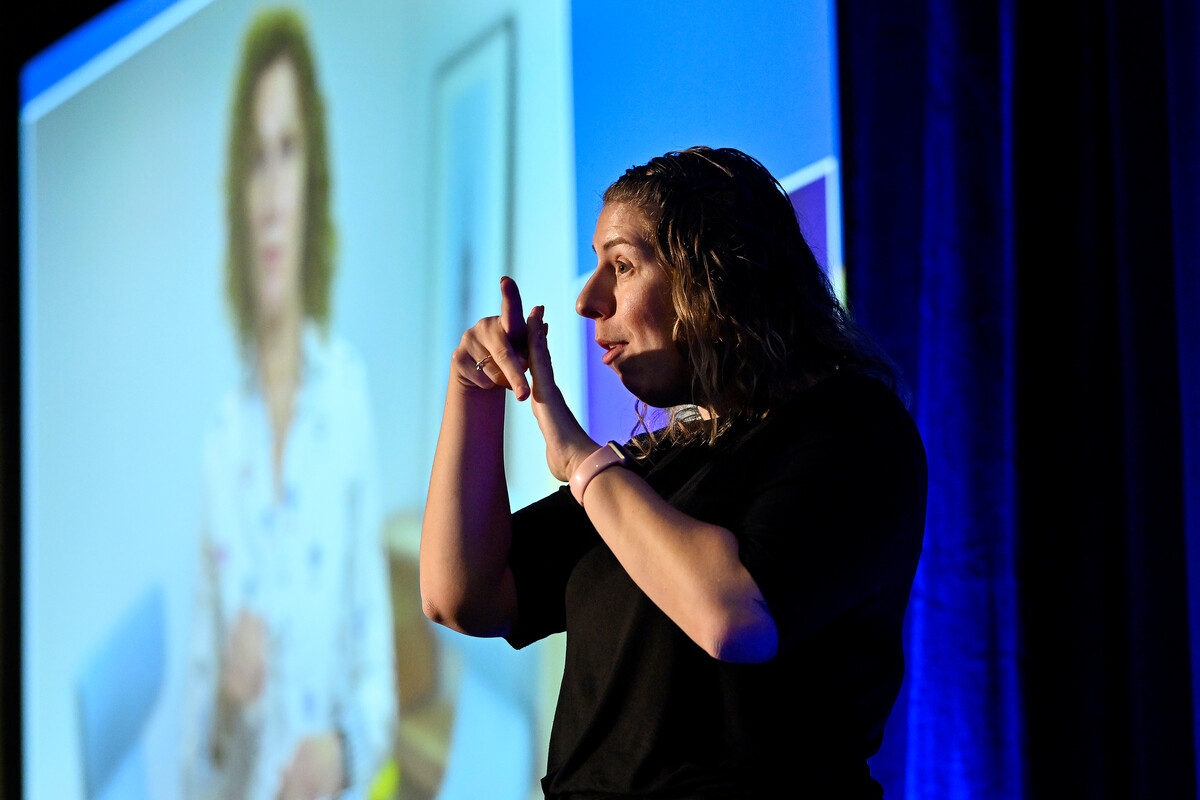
(335, 373)
(845, 394)
(845, 407)
(328, 354)
(843, 385)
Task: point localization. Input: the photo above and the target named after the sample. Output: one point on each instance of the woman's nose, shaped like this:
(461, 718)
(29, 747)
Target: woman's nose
(265, 191)
(596, 301)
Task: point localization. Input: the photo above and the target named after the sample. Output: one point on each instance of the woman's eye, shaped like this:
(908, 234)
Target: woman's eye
(622, 267)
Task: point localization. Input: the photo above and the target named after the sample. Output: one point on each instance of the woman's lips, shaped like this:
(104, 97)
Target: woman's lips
(271, 255)
(612, 350)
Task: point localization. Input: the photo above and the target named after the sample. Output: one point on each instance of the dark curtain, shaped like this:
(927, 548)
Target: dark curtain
(1022, 222)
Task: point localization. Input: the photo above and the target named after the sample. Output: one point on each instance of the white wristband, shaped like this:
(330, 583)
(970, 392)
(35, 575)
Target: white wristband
(609, 455)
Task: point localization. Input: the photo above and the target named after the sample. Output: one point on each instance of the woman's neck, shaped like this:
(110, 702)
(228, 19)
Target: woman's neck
(279, 366)
(279, 357)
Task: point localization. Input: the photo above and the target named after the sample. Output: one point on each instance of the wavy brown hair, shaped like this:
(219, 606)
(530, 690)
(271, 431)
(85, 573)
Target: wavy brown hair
(274, 35)
(757, 319)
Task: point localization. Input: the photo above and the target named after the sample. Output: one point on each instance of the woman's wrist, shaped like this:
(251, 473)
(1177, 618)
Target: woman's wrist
(587, 468)
(474, 400)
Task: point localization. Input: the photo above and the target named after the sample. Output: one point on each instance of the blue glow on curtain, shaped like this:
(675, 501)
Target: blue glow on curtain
(962, 703)
(1182, 24)
(1022, 229)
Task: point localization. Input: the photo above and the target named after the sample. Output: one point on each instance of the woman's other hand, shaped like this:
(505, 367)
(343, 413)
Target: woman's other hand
(567, 443)
(492, 354)
(315, 770)
(244, 667)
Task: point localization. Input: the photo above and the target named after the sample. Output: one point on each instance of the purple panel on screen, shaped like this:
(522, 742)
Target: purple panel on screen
(809, 202)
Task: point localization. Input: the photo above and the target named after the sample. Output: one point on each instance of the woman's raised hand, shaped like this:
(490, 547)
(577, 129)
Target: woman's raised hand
(567, 443)
(492, 354)
(497, 352)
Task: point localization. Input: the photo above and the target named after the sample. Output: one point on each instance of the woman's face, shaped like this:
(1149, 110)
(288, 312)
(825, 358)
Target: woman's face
(629, 297)
(275, 193)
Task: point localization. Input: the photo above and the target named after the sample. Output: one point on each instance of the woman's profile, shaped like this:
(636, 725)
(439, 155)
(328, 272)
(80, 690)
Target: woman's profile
(291, 689)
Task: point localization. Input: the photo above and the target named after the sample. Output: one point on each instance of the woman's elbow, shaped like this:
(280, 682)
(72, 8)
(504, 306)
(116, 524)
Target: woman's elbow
(455, 608)
(435, 605)
(445, 602)
(433, 611)
(752, 639)
(446, 606)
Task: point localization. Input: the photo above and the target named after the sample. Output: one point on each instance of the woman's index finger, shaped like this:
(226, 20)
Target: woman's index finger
(512, 316)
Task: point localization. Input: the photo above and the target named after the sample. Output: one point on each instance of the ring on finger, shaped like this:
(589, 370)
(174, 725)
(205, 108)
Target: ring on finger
(483, 362)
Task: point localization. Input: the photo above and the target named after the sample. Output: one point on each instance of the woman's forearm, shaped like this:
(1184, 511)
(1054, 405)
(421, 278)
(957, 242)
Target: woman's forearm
(466, 583)
(688, 568)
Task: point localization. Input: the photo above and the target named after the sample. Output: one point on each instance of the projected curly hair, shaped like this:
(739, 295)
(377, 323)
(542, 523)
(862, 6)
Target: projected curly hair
(274, 35)
(757, 318)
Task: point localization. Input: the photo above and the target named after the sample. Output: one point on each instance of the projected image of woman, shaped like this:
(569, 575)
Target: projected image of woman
(733, 584)
(291, 682)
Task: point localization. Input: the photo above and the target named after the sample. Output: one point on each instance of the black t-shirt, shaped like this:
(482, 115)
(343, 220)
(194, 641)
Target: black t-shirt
(826, 497)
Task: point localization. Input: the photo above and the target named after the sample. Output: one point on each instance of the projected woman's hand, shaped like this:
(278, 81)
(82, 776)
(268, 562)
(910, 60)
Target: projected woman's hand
(315, 769)
(244, 667)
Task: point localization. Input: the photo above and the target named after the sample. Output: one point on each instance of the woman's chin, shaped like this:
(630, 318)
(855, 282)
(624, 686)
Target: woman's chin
(657, 379)
(656, 396)
(276, 309)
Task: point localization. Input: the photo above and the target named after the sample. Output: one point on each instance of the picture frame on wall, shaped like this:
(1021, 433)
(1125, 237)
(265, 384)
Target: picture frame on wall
(472, 221)
(472, 180)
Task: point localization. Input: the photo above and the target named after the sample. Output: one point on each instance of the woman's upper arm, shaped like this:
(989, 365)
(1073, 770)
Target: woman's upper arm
(548, 538)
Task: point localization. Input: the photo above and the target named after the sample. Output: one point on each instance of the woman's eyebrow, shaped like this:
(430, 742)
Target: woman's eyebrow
(613, 243)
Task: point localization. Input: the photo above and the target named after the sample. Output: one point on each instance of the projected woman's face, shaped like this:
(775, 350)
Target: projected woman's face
(275, 193)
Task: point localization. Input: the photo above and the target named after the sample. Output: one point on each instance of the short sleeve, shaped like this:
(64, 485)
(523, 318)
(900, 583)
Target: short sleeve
(548, 539)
